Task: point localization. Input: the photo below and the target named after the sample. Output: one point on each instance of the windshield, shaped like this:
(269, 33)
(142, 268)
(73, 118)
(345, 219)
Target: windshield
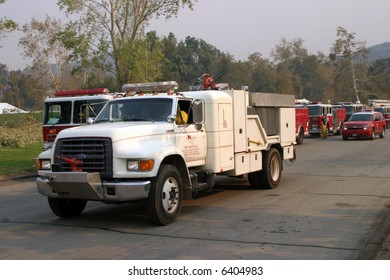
(361, 117)
(314, 110)
(57, 113)
(132, 109)
(379, 109)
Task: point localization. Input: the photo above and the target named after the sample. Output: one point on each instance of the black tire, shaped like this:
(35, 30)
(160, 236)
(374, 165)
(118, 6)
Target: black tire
(372, 137)
(345, 138)
(270, 176)
(165, 196)
(382, 135)
(67, 208)
(300, 137)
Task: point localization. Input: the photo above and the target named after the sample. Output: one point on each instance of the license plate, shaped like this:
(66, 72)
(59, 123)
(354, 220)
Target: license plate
(354, 135)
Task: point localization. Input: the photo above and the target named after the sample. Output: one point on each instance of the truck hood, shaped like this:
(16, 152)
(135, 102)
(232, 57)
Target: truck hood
(356, 123)
(117, 131)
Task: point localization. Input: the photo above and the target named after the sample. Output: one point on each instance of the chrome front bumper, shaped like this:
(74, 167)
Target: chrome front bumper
(83, 185)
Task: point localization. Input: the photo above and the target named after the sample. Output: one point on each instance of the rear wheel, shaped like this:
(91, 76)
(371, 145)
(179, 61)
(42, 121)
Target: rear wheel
(382, 135)
(165, 196)
(300, 137)
(269, 177)
(67, 208)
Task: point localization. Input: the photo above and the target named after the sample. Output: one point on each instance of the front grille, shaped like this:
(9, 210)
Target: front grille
(95, 154)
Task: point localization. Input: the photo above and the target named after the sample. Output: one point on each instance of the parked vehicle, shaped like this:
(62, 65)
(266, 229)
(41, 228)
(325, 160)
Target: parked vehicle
(301, 123)
(385, 112)
(70, 108)
(339, 116)
(364, 125)
(351, 108)
(161, 148)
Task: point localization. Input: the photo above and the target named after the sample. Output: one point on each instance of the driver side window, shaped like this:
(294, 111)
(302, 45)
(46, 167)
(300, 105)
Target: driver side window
(184, 113)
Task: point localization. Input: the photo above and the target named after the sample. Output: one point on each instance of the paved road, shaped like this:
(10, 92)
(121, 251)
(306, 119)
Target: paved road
(330, 205)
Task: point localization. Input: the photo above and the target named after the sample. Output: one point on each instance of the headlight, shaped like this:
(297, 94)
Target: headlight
(367, 126)
(140, 165)
(44, 164)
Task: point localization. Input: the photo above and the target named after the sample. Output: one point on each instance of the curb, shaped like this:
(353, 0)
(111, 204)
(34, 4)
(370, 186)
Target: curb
(5, 178)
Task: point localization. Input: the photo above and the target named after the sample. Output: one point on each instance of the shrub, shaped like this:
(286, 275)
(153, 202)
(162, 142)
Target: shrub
(20, 130)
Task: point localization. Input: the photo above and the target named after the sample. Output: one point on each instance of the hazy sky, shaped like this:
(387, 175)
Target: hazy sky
(240, 27)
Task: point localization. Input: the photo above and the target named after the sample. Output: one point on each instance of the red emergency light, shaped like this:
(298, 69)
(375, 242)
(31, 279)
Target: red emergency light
(80, 92)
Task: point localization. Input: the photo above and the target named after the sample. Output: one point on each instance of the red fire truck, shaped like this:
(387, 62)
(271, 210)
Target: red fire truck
(334, 117)
(383, 106)
(301, 123)
(317, 111)
(339, 117)
(69, 109)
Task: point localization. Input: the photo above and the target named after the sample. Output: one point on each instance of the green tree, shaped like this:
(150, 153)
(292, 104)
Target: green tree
(263, 76)
(23, 92)
(379, 72)
(106, 31)
(288, 55)
(198, 57)
(173, 67)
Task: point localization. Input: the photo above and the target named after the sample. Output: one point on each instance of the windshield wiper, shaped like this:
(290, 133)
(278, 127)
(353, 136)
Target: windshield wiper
(138, 120)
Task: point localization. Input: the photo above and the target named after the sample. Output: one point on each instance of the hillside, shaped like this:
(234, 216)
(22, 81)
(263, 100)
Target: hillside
(381, 51)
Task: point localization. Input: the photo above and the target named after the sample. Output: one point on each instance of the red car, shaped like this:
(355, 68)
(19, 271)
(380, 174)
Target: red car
(364, 125)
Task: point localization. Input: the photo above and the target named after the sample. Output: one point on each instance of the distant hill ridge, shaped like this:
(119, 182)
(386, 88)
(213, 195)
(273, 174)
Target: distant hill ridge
(381, 51)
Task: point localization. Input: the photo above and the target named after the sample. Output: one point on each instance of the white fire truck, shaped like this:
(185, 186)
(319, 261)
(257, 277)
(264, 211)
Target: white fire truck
(162, 148)
(69, 109)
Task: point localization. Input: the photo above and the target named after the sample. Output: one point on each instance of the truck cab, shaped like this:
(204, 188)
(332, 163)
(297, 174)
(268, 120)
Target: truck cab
(70, 109)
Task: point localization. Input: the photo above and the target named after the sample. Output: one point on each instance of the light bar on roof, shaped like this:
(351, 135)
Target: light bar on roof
(158, 86)
(82, 92)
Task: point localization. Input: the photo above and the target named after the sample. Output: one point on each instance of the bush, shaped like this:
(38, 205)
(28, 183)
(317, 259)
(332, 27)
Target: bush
(19, 130)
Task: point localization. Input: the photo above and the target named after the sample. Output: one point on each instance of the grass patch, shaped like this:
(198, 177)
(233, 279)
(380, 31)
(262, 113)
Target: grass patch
(19, 161)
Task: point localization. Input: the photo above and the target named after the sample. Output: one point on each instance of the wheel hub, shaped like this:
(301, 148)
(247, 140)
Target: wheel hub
(170, 195)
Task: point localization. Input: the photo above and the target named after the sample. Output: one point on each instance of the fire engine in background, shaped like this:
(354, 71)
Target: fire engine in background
(339, 118)
(351, 108)
(301, 122)
(162, 148)
(334, 115)
(69, 109)
(383, 106)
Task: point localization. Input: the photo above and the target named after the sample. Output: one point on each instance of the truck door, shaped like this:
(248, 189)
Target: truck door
(192, 142)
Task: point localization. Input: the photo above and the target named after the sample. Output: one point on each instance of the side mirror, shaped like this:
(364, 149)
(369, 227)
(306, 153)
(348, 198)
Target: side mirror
(171, 118)
(198, 111)
(90, 121)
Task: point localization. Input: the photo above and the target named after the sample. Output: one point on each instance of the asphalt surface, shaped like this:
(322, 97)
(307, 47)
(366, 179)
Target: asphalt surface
(377, 247)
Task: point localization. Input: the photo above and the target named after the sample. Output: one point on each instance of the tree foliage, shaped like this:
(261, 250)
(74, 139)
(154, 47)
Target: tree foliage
(6, 25)
(108, 30)
(290, 70)
(350, 56)
(49, 56)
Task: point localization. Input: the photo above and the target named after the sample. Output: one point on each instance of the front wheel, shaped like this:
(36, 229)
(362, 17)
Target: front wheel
(165, 196)
(67, 208)
(372, 137)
